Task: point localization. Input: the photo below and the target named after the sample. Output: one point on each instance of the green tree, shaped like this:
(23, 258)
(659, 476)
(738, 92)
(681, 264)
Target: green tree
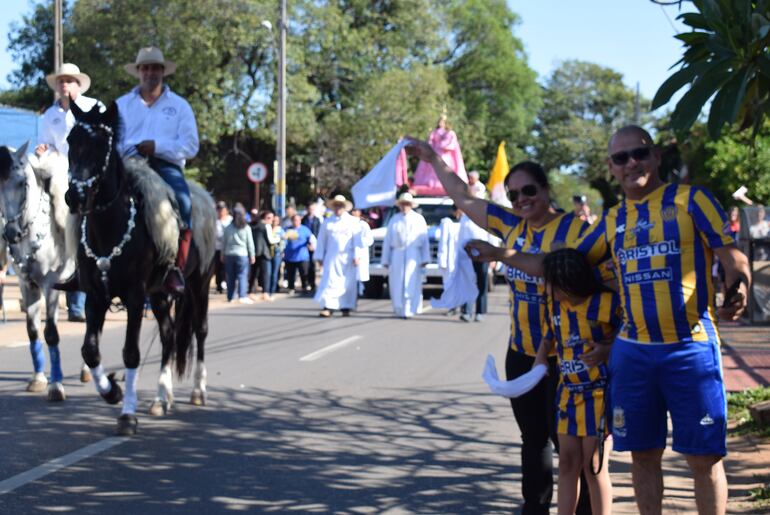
(30, 44)
(583, 104)
(726, 59)
(489, 75)
(733, 163)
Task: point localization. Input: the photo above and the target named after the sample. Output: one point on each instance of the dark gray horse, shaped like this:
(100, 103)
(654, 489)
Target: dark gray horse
(128, 240)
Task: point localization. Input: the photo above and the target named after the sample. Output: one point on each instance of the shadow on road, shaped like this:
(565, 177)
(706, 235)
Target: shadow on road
(260, 450)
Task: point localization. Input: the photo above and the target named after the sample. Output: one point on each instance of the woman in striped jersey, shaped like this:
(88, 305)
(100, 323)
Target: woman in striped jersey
(531, 225)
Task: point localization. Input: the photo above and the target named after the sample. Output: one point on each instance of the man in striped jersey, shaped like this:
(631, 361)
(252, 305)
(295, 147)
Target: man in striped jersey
(662, 240)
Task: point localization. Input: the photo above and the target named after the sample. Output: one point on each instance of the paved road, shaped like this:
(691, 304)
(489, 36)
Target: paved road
(394, 419)
(367, 414)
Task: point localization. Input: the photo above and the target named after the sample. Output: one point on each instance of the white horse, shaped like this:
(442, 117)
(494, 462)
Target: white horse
(35, 215)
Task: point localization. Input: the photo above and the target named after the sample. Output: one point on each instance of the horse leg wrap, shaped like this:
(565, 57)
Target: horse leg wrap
(100, 380)
(129, 399)
(56, 373)
(38, 356)
(200, 377)
(166, 385)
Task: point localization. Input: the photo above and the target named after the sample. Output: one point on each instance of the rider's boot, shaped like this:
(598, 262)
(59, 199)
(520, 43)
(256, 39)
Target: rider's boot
(174, 281)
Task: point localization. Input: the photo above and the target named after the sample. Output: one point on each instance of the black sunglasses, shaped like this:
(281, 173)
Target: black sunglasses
(639, 154)
(530, 190)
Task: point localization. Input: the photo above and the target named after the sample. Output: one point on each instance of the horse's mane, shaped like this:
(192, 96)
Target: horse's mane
(158, 207)
(53, 167)
(161, 217)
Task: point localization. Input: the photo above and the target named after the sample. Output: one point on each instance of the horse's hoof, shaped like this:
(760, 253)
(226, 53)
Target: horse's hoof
(160, 408)
(198, 398)
(85, 375)
(37, 386)
(115, 395)
(156, 409)
(56, 393)
(126, 425)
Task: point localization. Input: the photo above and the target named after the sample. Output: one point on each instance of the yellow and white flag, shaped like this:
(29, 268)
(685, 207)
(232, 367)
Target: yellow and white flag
(496, 184)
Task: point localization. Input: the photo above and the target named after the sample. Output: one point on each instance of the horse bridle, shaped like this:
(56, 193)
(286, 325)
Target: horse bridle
(92, 183)
(34, 245)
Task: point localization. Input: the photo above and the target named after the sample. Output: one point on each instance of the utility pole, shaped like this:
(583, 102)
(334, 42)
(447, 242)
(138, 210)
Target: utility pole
(58, 45)
(280, 143)
(637, 108)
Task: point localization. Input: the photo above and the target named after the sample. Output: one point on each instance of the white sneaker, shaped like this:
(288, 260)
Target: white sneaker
(245, 300)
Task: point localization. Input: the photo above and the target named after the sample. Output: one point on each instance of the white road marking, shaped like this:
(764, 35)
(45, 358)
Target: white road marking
(13, 345)
(12, 483)
(329, 348)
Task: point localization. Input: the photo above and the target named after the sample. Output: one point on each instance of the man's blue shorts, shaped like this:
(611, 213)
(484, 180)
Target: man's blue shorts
(684, 379)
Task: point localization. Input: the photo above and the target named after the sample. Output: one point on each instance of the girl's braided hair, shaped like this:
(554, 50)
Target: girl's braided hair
(569, 271)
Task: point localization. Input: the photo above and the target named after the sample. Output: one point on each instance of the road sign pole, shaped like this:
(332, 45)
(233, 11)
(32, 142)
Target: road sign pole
(256, 196)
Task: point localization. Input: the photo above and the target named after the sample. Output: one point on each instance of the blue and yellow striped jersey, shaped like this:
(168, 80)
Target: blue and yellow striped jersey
(527, 296)
(661, 247)
(575, 327)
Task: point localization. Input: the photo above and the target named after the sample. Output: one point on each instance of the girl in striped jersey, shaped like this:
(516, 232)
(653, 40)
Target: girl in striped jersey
(582, 314)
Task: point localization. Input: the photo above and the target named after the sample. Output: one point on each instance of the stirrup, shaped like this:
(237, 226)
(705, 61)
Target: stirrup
(70, 284)
(173, 283)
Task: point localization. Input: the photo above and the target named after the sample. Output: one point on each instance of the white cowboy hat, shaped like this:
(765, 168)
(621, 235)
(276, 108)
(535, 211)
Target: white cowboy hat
(69, 70)
(339, 200)
(406, 198)
(150, 55)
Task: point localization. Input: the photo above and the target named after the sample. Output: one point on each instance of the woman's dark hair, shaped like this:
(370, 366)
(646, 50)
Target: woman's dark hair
(569, 271)
(239, 216)
(264, 214)
(534, 170)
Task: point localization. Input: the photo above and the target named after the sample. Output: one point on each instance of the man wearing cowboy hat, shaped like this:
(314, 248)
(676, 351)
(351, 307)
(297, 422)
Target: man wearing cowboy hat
(52, 148)
(405, 251)
(160, 126)
(339, 250)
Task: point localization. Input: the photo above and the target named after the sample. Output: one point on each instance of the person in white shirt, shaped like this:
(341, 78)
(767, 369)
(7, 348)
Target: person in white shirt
(339, 251)
(367, 240)
(470, 231)
(477, 188)
(405, 251)
(160, 125)
(70, 84)
(223, 220)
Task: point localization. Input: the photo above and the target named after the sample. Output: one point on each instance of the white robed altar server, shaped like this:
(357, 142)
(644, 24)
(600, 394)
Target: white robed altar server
(405, 251)
(367, 240)
(339, 251)
(460, 287)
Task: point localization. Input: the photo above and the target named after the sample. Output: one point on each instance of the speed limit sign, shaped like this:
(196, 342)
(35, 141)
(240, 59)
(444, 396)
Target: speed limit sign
(256, 172)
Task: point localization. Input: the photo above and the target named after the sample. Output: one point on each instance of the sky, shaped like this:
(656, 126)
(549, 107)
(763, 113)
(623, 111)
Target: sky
(634, 37)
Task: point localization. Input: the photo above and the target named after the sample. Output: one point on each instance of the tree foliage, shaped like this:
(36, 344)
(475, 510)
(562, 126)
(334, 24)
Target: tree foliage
(725, 58)
(583, 104)
(361, 73)
(733, 163)
(489, 75)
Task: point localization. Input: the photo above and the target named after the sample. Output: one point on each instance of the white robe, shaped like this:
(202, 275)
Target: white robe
(447, 246)
(339, 243)
(405, 249)
(367, 240)
(460, 287)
